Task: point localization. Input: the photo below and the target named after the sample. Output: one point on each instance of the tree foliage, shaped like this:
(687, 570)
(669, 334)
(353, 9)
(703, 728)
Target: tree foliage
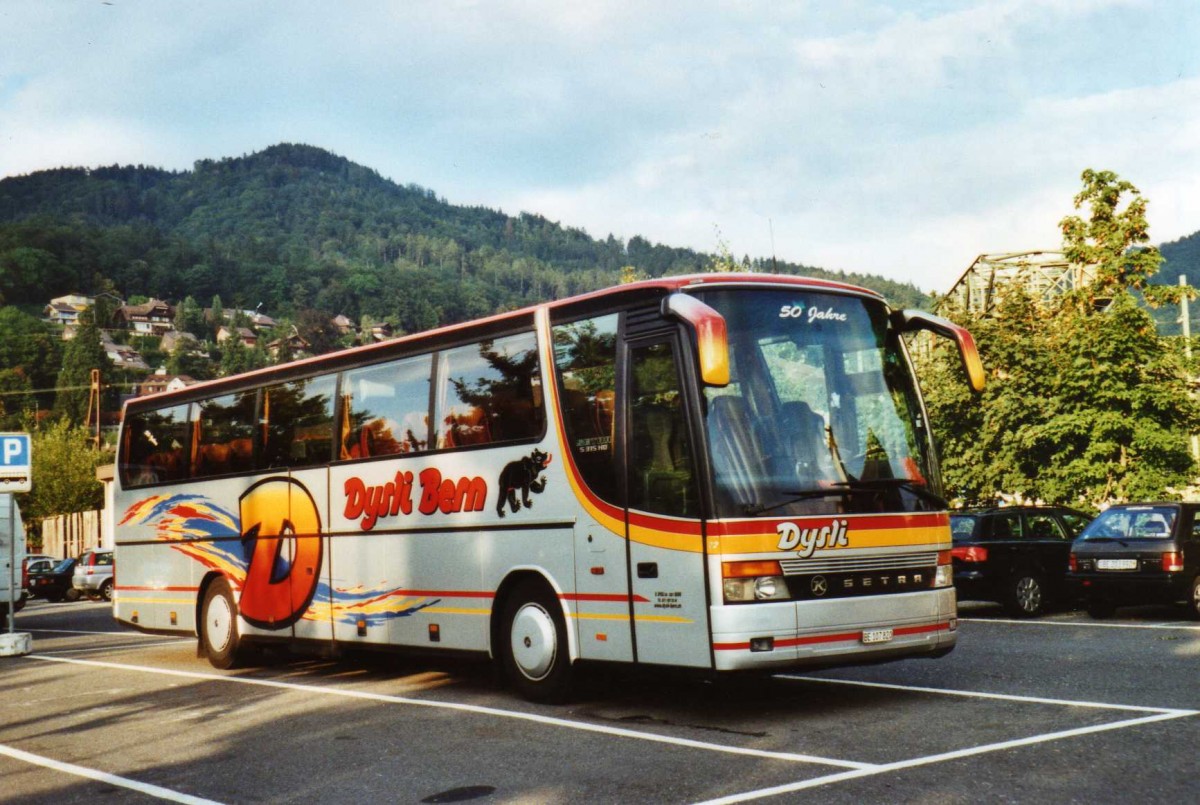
(296, 227)
(1085, 404)
(82, 354)
(64, 471)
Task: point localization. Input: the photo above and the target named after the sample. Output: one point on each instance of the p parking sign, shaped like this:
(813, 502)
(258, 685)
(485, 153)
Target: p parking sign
(16, 463)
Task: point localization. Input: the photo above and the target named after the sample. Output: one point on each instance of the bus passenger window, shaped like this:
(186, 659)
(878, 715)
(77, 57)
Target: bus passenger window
(385, 409)
(156, 446)
(225, 435)
(297, 423)
(661, 478)
(585, 356)
(490, 392)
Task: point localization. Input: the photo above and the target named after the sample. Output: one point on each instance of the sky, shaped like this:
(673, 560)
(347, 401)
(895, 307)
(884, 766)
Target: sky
(894, 138)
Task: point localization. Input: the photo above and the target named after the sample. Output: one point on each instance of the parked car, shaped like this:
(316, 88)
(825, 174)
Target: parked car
(1016, 555)
(1139, 554)
(94, 574)
(54, 582)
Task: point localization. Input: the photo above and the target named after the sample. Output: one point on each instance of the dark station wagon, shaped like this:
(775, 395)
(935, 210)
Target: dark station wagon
(1139, 554)
(1016, 555)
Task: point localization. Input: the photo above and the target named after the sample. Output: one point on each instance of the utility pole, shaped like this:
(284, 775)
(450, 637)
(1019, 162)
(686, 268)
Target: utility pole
(1185, 319)
(94, 406)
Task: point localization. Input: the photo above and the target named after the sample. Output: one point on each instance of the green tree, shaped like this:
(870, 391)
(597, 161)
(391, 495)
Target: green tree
(218, 318)
(64, 472)
(1085, 403)
(31, 346)
(83, 353)
(17, 401)
(189, 318)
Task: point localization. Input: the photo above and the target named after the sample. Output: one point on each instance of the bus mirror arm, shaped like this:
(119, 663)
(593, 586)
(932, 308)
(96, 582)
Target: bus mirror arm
(708, 328)
(908, 321)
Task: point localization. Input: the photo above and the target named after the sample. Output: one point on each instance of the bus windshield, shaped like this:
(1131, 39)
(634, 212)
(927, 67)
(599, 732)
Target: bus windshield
(822, 413)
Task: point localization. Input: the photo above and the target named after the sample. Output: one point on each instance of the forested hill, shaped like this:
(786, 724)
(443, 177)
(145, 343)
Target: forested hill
(1179, 257)
(296, 227)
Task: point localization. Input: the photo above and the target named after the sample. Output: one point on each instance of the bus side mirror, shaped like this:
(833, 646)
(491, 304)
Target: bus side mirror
(912, 320)
(712, 340)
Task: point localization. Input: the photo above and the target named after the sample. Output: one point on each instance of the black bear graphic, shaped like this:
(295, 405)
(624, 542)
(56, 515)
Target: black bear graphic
(522, 474)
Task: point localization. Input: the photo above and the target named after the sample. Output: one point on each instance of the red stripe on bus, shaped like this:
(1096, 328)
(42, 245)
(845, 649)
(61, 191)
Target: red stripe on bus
(445, 593)
(131, 589)
(844, 637)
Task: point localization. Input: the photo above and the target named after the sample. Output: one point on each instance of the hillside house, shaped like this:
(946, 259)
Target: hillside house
(244, 334)
(160, 381)
(152, 318)
(122, 356)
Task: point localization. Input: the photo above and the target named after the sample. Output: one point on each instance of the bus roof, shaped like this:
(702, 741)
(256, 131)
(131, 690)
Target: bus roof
(363, 354)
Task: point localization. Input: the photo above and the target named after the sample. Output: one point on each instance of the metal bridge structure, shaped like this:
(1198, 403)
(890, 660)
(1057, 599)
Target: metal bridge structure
(1044, 275)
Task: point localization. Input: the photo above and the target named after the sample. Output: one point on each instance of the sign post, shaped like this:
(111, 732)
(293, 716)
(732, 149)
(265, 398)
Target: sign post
(16, 475)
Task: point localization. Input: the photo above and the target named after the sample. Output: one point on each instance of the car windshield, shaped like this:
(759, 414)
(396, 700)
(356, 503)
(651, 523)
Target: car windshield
(963, 526)
(821, 414)
(1133, 522)
(64, 565)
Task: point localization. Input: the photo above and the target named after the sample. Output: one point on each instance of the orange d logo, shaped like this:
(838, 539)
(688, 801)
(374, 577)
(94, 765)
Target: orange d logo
(281, 524)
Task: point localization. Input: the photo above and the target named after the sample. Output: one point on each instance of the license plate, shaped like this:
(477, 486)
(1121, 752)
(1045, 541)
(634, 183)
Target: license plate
(877, 636)
(1116, 564)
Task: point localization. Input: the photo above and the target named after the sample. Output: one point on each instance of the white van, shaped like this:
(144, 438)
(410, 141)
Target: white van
(12, 557)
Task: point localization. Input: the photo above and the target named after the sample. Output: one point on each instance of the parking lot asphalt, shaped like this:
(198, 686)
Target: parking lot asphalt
(1061, 709)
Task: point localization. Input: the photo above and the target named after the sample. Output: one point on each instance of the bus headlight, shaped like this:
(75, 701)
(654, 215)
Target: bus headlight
(753, 581)
(944, 576)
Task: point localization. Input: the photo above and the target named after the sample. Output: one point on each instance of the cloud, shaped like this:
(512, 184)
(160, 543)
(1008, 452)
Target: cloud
(901, 138)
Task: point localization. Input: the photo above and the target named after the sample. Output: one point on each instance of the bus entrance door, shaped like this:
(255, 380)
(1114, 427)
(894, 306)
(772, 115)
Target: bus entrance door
(665, 537)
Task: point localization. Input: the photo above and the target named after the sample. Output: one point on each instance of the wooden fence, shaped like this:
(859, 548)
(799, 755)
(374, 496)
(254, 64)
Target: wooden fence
(71, 534)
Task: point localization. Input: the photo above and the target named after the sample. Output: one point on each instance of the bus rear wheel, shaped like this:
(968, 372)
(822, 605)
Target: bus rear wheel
(219, 635)
(534, 646)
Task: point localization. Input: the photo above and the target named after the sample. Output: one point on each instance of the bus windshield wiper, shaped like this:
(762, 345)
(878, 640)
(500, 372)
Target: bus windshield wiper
(838, 489)
(908, 485)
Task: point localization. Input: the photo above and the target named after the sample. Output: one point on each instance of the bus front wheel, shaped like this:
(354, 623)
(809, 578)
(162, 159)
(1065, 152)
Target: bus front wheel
(535, 654)
(219, 634)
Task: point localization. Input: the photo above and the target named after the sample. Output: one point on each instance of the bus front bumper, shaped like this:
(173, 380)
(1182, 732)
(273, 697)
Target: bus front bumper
(839, 631)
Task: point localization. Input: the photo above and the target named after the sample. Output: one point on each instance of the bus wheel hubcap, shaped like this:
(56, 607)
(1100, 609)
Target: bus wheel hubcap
(534, 641)
(218, 623)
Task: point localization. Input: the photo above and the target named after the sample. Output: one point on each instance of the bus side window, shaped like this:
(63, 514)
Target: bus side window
(585, 357)
(385, 409)
(490, 392)
(156, 446)
(225, 435)
(297, 423)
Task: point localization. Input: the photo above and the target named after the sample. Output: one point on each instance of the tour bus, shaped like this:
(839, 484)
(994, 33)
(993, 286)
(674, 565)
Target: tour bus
(726, 472)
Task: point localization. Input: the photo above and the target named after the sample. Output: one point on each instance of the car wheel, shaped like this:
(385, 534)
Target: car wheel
(54, 598)
(71, 594)
(1194, 598)
(106, 590)
(219, 635)
(1026, 595)
(534, 644)
(1100, 608)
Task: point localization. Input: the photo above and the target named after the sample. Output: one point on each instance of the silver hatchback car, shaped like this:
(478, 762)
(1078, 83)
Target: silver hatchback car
(94, 574)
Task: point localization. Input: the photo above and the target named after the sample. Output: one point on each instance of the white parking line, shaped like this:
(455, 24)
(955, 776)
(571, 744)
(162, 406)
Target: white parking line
(470, 708)
(816, 782)
(130, 647)
(117, 634)
(1087, 624)
(103, 777)
(854, 769)
(1008, 697)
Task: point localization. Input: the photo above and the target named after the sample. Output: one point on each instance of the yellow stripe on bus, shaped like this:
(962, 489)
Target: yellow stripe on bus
(182, 601)
(873, 538)
(456, 611)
